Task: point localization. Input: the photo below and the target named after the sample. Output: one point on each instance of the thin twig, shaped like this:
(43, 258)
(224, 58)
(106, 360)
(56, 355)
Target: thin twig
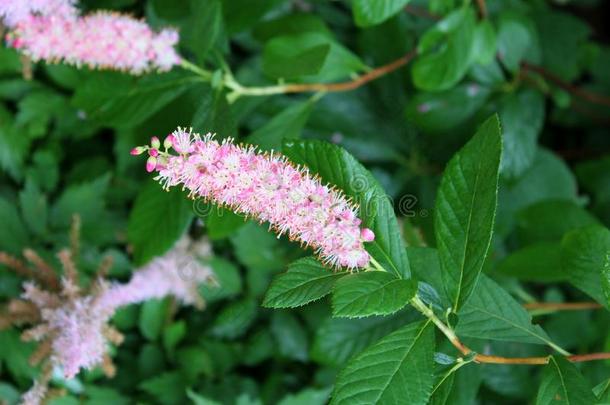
(482, 8)
(421, 12)
(357, 82)
(591, 97)
(489, 359)
(562, 306)
(239, 90)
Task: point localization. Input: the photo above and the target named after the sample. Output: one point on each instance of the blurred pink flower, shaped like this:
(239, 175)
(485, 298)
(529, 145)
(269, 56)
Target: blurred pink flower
(98, 40)
(14, 11)
(267, 187)
(72, 324)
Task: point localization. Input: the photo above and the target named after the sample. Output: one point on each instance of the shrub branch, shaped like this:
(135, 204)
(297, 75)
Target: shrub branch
(238, 90)
(490, 359)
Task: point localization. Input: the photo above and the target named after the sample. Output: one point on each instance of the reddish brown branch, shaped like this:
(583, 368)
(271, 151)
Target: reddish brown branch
(562, 306)
(482, 8)
(421, 12)
(352, 84)
(490, 359)
(591, 97)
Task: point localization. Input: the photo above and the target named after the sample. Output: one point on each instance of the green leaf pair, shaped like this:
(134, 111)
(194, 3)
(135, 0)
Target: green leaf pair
(354, 295)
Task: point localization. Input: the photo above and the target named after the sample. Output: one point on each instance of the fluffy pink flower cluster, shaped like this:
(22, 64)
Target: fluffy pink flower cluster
(264, 186)
(77, 328)
(72, 325)
(14, 11)
(99, 40)
(177, 273)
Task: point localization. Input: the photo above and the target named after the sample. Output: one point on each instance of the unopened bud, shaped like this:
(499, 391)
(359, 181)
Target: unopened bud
(138, 150)
(169, 141)
(155, 143)
(367, 235)
(151, 164)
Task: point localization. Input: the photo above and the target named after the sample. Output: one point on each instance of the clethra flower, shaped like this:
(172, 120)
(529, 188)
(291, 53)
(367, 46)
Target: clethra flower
(99, 40)
(71, 324)
(177, 273)
(15, 11)
(267, 187)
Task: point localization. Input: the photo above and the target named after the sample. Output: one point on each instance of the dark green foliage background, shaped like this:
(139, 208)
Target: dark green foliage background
(65, 138)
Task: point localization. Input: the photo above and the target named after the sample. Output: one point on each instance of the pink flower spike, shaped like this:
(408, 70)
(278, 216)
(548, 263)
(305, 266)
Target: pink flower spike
(367, 235)
(12, 12)
(151, 164)
(99, 40)
(268, 187)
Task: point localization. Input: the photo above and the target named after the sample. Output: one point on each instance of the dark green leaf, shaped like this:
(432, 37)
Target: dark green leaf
(537, 262)
(522, 117)
(602, 392)
(157, 221)
(202, 28)
(484, 46)
(338, 167)
(13, 234)
(491, 313)
(287, 57)
(307, 397)
(291, 24)
(33, 208)
(285, 126)
(371, 293)
(15, 354)
(214, 114)
(465, 211)
(290, 337)
(119, 101)
(372, 12)
(445, 52)
(584, 260)
(219, 221)
(257, 248)
(548, 178)
(305, 281)
(338, 339)
(562, 40)
(549, 220)
(168, 388)
(398, 368)
(427, 268)
(309, 54)
(516, 36)
(228, 280)
(235, 319)
(439, 112)
(562, 383)
(152, 318)
(13, 146)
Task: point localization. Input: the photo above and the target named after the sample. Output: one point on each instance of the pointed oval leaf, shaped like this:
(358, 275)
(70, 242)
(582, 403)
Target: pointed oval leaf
(584, 260)
(397, 369)
(371, 293)
(157, 221)
(491, 313)
(338, 339)
(562, 384)
(373, 12)
(305, 281)
(465, 211)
